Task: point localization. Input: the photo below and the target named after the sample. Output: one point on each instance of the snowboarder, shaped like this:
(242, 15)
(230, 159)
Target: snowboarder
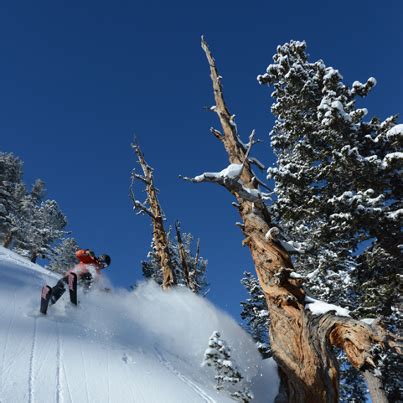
(85, 272)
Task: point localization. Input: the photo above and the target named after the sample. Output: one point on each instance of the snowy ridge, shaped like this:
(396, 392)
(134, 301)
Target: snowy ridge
(141, 346)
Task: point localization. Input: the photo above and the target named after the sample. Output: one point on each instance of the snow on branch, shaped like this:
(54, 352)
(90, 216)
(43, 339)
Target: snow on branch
(291, 247)
(229, 178)
(259, 164)
(147, 179)
(216, 133)
(137, 205)
(319, 307)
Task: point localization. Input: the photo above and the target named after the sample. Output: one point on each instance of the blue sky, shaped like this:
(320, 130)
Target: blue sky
(78, 79)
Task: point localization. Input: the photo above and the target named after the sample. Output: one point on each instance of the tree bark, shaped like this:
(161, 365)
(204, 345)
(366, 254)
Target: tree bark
(194, 272)
(375, 388)
(182, 255)
(152, 208)
(301, 342)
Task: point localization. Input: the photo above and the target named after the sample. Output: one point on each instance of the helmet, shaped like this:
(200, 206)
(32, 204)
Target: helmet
(104, 260)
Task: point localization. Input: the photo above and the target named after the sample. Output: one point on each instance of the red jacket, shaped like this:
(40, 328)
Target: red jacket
(88, 264)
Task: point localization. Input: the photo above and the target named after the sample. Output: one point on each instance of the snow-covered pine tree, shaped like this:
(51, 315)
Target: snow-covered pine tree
(42, 224)
(218, 356)
(151, 267)
(337, 184)
(255, 314)
(196, 264)
(30, 221)
(12, 190)
(63, 256)
(192, 266)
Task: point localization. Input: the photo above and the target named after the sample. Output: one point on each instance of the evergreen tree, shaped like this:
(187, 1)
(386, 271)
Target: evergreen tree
(337, 184)
(196, 265)
(218, 356)
(63, 256)
(151, 267)
(12, 190)
(41, 224)
(256, 315)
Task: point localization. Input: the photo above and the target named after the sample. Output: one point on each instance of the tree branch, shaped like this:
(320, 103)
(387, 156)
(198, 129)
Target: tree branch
(232, 184)
(217, 133)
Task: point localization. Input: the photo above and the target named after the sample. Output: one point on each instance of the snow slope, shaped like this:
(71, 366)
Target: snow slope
(140, 346)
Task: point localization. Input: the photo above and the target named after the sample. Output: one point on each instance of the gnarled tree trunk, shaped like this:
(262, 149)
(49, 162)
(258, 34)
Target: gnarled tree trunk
(301, 342)
(153, 209)
(182, 255)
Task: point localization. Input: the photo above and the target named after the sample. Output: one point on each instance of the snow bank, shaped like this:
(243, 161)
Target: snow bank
(142, 346)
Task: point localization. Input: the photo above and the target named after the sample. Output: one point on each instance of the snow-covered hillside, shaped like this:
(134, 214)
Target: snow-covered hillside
(140, 346)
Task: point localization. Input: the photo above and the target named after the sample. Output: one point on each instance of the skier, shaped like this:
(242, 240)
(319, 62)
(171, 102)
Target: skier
(85, 272)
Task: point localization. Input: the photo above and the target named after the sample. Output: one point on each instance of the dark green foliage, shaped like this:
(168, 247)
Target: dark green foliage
(28, 223)
(338, 187)
(12, 190)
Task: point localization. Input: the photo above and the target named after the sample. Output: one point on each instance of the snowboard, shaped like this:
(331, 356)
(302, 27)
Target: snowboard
(45, 298)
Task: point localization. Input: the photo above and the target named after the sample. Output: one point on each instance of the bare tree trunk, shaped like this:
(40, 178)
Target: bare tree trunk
(182, 255)
(375, 388)
(301, 342)
(152, 208)
(194, 272)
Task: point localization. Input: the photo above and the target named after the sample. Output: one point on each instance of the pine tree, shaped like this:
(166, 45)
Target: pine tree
(256, 315)
(41, 224)
(337, 184)
(218, 356)
(151, 267)
(63, 256)
(12, 190)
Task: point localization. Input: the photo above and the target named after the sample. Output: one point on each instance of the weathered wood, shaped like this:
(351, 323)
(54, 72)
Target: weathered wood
(182, 256)
(153, 209)
(193, 273)
(301, 342)
(375, 388)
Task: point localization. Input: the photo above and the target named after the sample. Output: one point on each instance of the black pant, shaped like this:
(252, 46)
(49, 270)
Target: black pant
(59, 289)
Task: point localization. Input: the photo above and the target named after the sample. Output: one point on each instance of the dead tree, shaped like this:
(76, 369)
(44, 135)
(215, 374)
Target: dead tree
(301, 341)
(182, 257)
(196, 272)
(152, 208)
